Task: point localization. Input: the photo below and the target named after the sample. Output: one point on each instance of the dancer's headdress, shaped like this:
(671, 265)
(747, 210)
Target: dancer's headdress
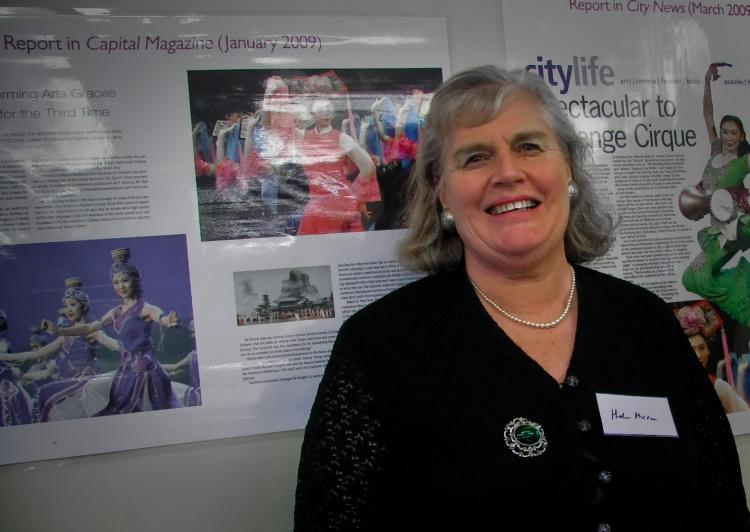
(120, 263)
(73, 291)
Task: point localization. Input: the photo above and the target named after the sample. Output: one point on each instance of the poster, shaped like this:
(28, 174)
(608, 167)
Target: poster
(648, 87)
(189, 209)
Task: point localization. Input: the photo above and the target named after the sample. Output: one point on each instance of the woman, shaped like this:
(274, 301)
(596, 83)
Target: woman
(139, 383)
(719, 243)
(699, 329)
(40, 372)
(477, 406)
(272, 155)
(392, 139)
(15, 403)
(728, 144)
(73, 367)
(332, 207)
(189, 364)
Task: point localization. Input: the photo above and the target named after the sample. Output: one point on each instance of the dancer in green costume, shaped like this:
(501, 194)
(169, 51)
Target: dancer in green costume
(725, 169)
(728, 288)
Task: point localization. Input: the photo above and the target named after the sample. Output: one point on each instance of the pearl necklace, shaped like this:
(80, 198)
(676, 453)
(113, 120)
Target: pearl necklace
(534, 324)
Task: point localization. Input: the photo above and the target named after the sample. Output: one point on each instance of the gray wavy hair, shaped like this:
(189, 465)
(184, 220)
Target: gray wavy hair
(472, 98)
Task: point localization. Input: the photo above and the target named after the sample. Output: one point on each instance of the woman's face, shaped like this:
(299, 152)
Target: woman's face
(506, 183)
(701, 348)
(123, 284)
(323, 117)
(731, 136)
(72, 309)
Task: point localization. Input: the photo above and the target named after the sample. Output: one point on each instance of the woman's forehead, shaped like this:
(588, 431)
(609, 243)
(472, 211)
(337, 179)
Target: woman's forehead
(482, 107)
(521, 112)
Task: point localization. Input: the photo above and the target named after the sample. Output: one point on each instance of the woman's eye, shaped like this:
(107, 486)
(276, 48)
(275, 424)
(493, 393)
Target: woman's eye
(475, 159)
(528, 147)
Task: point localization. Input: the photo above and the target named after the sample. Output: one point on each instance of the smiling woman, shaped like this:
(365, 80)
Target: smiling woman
(489, 396)
(506, 182)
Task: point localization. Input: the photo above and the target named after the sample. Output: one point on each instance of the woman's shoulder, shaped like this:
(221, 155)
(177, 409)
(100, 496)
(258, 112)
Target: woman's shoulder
(413, 299)
(615, 291)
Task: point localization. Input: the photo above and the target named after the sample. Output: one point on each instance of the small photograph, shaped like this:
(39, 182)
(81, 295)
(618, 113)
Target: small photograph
(287, 294)
(724, 356)
(96, 328)
(305, 152)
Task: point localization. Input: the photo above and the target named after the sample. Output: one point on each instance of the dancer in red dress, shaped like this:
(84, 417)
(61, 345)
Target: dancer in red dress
(332, 207)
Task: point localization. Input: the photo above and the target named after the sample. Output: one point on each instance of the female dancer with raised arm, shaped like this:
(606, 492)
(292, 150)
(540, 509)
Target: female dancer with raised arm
(724, 238)
(75, 365)
(726, 145)
(139, 383)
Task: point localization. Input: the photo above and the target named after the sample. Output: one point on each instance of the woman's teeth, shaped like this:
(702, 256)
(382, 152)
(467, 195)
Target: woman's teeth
(512, 206)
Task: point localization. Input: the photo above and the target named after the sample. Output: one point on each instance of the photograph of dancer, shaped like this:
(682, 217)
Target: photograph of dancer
(103, 354)
(40, 372)
(721, 193)
(140, 383)
(305, 152)
(704, 328)
(332, 206)
(72, 363)
(188, 366)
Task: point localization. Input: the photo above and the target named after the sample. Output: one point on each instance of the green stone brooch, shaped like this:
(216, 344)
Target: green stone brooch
(525, 438)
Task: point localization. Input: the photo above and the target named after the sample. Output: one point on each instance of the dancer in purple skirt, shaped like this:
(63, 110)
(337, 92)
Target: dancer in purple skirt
(192, 395)
(140, 383)
(74, 361)
(15, 403)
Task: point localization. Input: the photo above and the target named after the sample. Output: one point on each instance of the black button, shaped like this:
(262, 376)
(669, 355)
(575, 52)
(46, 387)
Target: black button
(572, 381)
(605, 477)
(584, 425)
(603, 527)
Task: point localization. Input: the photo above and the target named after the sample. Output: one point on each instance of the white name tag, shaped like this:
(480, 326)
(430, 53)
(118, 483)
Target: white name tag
(633, 415)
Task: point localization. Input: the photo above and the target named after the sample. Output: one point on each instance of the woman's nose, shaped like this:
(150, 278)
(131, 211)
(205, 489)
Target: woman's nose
(506, 169)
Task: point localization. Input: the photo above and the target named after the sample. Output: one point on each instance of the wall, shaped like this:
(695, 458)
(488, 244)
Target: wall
(233, 484)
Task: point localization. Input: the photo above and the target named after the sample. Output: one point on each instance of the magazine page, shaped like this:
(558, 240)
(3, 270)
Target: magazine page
(658, 90)
(189, 209)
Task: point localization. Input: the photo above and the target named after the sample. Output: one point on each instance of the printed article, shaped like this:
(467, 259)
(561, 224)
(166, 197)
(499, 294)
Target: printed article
(189, 209)
(658, 90)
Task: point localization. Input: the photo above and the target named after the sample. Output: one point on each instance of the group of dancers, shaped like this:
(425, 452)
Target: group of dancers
(314, 178)
(65, 381)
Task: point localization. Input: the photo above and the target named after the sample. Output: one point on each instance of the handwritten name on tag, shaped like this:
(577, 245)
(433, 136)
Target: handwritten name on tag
(633, 415)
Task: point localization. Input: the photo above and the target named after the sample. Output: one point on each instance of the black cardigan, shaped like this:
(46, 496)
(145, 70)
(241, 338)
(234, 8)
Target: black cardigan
(406, 431)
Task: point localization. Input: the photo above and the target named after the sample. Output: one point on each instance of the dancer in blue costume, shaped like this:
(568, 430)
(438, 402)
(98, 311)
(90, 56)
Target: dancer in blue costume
(192, 395)
(74, 365)
(40, 372)
(15, 403)
(139, 383)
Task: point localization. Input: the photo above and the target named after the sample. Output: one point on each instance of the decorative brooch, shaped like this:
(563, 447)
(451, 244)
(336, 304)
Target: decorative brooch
(525, 438)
